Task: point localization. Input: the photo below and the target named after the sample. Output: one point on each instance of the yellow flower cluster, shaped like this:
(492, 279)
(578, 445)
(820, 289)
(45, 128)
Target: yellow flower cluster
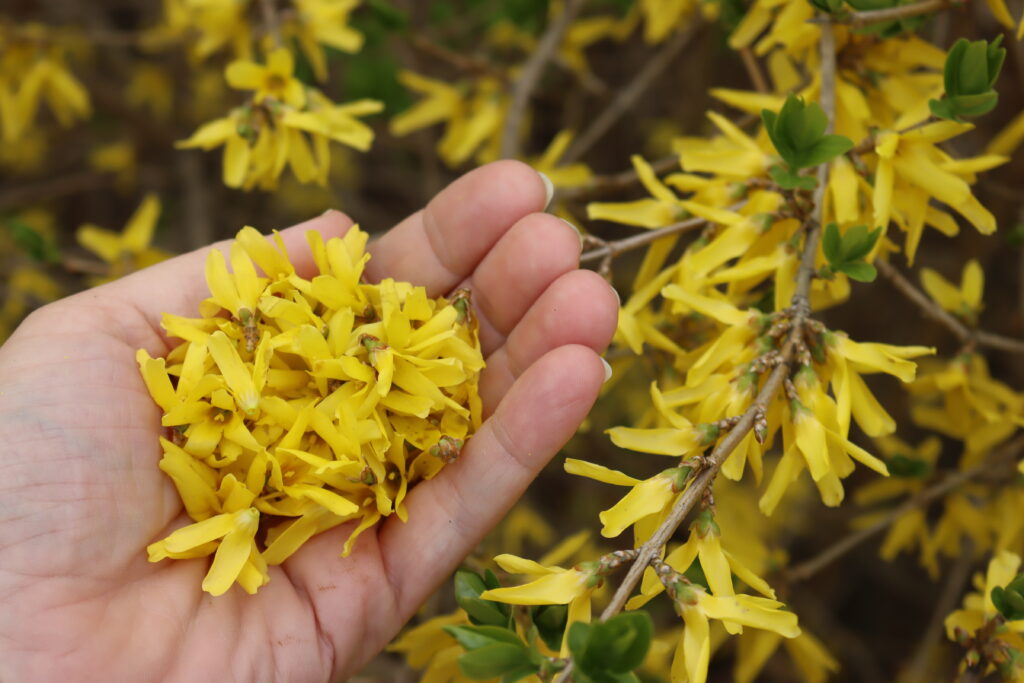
(33, 70)
(284, 124)
(314, 401)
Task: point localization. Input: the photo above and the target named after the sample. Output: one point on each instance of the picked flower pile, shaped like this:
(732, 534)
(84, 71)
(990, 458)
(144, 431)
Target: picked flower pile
(298, 404)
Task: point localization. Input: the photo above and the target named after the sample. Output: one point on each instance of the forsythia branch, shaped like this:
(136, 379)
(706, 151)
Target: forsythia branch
(965, 334)
(628, 95)
(533, 69)
(271, 21)
(892, 13)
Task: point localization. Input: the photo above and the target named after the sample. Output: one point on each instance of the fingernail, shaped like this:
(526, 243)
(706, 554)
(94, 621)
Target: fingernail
(579, 233)
(617, 296)
(607, 370)
(327, 212)
(549, 189)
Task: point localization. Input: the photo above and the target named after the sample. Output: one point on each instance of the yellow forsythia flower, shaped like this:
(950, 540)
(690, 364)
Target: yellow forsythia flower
(129, 251)
(298, 404)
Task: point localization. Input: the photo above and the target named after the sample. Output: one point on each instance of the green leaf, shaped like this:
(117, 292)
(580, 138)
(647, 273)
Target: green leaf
(951, 70)
(606, 650)
(825, 149)
(468, 587)
(476, 637)
(831, 243)
(908, 468)
(859, 271)
(788, 180)
(501, 659)
(550, 621)
(942, 109)
(858, 242)
(972, 72)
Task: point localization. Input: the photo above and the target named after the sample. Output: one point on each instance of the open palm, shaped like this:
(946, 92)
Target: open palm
(81, 495)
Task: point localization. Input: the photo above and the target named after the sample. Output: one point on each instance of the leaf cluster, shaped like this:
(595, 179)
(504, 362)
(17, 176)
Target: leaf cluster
(845, 252)
(609, 651)
(971, 70)
(1009, 600)
(798, 133)
(603, 652)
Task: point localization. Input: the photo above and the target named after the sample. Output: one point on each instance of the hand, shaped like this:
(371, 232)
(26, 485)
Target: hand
(81, 495)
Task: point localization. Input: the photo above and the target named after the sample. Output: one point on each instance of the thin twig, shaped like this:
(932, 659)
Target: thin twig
(611, 249)
(616, 247)
(931, 309)
(271, 22)
(754, 70)
(809, 568)
(958, 576)
(52, 188)
(533, 69)
(628, 95)
(876, 16)
(465, 63)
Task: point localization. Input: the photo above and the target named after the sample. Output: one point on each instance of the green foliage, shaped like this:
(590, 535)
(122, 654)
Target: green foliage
(845, 253)
(906, 467)
(608, 651)
(1009, 600)
(468, 587)
(550, 621)
(32, 242)
(373, 72)
(798, 133)
(972, 68)
(493, 651)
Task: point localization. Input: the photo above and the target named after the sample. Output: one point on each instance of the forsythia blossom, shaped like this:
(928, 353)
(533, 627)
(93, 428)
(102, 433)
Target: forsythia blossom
(297, 404)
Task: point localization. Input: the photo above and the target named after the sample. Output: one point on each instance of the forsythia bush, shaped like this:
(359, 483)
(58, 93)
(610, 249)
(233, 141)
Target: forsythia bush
(780, 350)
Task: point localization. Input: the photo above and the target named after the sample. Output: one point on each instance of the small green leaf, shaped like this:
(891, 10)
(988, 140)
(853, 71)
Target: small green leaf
(476, 637)
(550, 621)
(789, 180)
(826, 149)
(831, 243)
(500, 659)
(468, 587)
(858, 242)
(859, 271)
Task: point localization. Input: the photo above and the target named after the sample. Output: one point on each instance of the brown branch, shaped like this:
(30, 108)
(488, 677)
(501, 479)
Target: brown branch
(965, 334)
(533, 69)
(628, 96)
(271, 21)
(610, 250)
(754, 70)
(958, 576)
(809, 568)
(857, 19)
(465, 63)
(52, 188)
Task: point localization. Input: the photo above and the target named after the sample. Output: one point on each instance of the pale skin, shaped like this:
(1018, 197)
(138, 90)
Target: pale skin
(81, 495)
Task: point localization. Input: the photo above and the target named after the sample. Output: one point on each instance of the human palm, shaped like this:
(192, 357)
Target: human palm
(81, 495)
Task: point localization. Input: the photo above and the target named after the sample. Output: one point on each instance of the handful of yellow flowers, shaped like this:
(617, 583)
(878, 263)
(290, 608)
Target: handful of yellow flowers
(295, 405)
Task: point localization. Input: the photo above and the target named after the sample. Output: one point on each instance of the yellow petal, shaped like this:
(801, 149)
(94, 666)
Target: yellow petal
(646, 498)
(233, 553)
(582, 468)
(662, 441)
(552, 589)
